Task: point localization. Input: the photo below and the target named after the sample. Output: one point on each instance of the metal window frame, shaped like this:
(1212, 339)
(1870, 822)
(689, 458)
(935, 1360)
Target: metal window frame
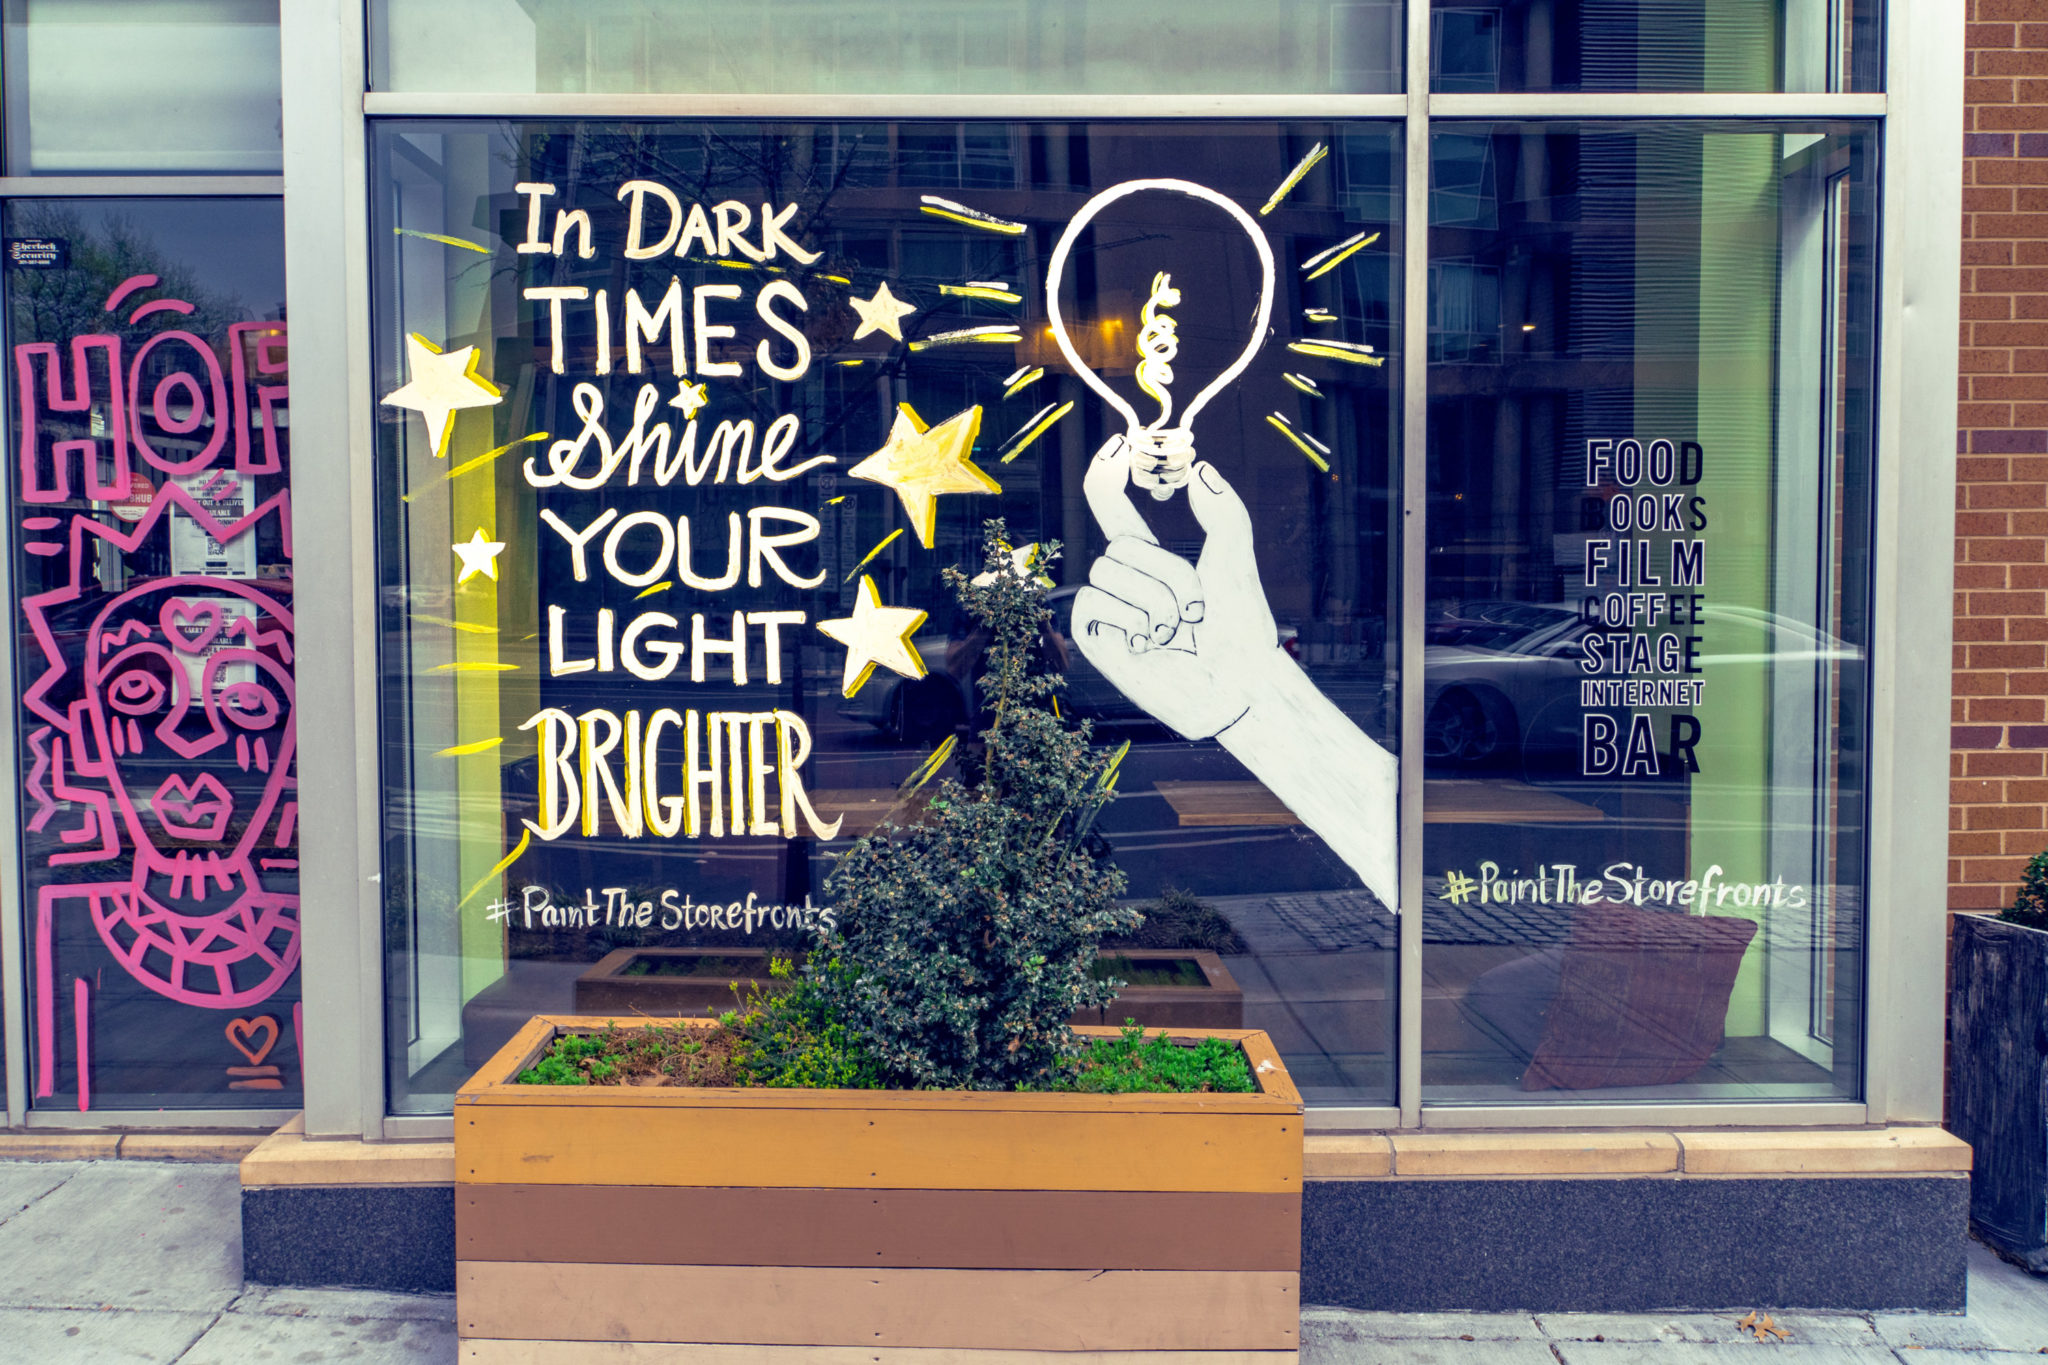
(326, 111)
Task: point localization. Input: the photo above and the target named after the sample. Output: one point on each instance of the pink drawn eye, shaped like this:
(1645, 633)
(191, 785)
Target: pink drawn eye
(249, 705)
(136, 693)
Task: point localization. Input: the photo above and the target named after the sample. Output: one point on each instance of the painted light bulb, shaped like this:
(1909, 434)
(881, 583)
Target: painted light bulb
(1161, 455)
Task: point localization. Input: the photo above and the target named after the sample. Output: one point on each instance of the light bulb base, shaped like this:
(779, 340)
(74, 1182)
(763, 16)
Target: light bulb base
(1161, 460)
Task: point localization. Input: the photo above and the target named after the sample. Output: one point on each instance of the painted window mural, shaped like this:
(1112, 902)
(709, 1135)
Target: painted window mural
(154, 651)
(680, 424)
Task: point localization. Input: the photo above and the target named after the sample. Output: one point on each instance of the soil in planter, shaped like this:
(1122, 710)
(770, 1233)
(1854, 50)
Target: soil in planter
(675, 1056)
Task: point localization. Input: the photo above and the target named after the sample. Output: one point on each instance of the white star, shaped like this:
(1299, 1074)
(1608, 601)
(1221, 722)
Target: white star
(876, 634)
(478, 556)
(882, 313)
(689, 397)
(441, 383)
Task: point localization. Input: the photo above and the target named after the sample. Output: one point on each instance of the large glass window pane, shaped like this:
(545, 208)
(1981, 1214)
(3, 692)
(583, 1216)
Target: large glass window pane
(99, 87)
(1619, 45)
(972, 47)
(1650, 398)
(153, 652)
(744, 315)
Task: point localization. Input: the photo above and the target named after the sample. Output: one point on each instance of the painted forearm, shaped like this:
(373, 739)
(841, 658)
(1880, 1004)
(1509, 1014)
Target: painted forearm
(1326, 770)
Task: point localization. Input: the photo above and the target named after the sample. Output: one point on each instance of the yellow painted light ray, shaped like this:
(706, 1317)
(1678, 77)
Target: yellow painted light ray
(1303, 383)
(871, 555)
(525, 839)
(974, 218)
(1023, 378)
(662, 586)
(473, 666)
(1035, 428)
(469, 627)
(444, 241)
(837, 279)
(479, 462)
(1294, 177)
(1000, 333)
(927, 770)
(834, 502)
(1301, 441)
(993, 292)
(1350, 352)
(1323, 262)
(1319, 315)
(461, 750)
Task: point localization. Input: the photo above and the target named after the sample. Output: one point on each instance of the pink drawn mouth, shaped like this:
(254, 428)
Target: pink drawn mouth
(198, 811)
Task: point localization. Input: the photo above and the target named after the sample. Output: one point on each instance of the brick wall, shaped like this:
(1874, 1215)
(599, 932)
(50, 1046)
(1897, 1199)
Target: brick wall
(1999, 790)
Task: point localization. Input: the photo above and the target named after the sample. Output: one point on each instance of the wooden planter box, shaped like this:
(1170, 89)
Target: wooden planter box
(609, 987)
(803, 1223)
(1998, 1079)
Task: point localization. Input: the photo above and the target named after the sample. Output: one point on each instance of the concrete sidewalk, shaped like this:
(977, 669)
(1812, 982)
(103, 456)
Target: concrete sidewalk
(134, 1262)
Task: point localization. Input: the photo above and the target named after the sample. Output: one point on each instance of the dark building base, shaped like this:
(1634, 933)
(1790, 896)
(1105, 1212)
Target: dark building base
(395, 1237)
(1636, 1245)
(1559, 1245)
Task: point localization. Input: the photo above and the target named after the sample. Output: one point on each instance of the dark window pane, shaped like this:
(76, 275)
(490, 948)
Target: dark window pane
(110, 87)
(1622, 45)
(982, 47)
(1650, 404)
(154, 652)
(1260, 777)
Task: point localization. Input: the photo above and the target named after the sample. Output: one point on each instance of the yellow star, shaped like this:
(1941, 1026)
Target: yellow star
(441, 383)
(478, 555)
(921, 462)
(882, 313)
(876, 634)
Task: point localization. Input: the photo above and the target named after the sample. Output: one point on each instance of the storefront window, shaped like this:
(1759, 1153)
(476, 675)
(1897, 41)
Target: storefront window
(114, 87)
(1621, 45)
(679, 424)
(1648, 617)
(897, 47)
(154, 652)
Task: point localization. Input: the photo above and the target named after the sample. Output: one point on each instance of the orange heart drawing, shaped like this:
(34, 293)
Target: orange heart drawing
(244, 1032)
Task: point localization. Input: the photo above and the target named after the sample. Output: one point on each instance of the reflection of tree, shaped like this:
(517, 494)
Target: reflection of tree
(56, 305)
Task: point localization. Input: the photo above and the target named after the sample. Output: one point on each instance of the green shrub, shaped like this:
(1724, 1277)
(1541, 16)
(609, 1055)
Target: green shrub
(1181, 919)
(965, 941)
(790, 1038)
(2030, 906)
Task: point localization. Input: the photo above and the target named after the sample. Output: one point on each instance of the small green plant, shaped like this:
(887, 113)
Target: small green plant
(1180, 919)
(788, 1036)
(2030, 906)
(575, 1059)
(1132, 1062)
(967, 940)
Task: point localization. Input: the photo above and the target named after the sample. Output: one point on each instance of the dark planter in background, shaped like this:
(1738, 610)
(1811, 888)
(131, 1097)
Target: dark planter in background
(1998, 1080)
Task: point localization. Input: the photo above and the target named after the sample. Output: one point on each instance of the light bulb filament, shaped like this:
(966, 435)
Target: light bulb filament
(1158, 345)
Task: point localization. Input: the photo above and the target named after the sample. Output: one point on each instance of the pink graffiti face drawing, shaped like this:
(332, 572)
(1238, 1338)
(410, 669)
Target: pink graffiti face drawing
(188, 718)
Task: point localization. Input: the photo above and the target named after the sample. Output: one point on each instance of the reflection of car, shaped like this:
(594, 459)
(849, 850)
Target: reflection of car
(922, 709)
(1501, 678)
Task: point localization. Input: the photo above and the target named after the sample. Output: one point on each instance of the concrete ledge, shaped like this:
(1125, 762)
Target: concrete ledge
(134, 1146)
(1347, 1156)
(1534, 1153)
(1869, 1151)
(1454, 1155)
(289, 1157)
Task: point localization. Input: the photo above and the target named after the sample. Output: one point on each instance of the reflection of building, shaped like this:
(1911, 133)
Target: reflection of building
(1600, 386)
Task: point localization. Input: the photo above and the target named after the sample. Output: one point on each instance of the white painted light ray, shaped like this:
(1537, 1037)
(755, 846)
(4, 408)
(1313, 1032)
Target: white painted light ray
(1169, 454)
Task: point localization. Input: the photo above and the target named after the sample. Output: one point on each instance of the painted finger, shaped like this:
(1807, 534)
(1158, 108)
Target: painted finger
(1105, 622)
(1107, 486)
(1141, 590)
(1169, 568)
(1222, 514)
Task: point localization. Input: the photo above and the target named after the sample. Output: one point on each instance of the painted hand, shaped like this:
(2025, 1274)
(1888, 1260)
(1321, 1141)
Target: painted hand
(1193, 644)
